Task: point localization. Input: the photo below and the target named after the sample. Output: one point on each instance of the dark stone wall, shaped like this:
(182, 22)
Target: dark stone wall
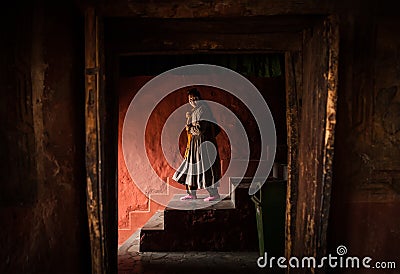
(43, 201)
(365, 192)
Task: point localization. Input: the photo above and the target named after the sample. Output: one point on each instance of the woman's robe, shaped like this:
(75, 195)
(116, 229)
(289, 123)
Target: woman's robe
(201, 166)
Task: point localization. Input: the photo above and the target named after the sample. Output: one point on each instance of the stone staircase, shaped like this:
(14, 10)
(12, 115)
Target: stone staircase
(229, 225)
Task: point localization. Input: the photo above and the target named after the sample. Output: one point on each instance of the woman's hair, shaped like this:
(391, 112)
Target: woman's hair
(194, 92)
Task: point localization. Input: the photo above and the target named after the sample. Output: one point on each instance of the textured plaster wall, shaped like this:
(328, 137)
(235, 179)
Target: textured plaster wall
(43, 203)
(366, 196)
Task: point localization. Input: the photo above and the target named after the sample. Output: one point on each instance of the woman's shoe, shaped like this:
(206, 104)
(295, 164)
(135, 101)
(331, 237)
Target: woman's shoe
(188, 197)
(212, 198)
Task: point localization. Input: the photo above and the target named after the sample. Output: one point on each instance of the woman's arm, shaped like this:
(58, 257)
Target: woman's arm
(198, 127)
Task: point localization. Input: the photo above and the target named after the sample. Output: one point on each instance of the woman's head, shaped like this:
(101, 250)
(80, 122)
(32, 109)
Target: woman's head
(193, 96)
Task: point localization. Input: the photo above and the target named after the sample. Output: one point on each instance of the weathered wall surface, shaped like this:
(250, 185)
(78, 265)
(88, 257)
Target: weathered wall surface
(366, 197)
(42, 204)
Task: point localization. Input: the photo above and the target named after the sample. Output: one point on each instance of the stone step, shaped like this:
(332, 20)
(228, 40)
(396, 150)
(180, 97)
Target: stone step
(195, 225)
(156, 222)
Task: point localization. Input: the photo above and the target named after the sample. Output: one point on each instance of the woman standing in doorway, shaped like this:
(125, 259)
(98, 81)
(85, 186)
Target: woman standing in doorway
(201, 166)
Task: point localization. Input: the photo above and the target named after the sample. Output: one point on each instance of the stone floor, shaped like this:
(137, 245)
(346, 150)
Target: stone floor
(130, 260)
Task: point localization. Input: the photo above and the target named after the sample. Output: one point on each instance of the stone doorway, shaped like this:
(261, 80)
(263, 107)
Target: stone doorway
(310, 45)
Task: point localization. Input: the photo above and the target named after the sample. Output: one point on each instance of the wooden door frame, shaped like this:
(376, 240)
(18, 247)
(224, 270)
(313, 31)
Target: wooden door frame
(101, 171)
